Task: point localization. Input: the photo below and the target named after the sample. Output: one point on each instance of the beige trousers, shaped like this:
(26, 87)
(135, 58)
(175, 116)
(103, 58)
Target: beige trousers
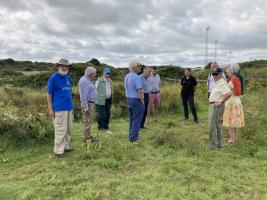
(63, 125)
(88, 120)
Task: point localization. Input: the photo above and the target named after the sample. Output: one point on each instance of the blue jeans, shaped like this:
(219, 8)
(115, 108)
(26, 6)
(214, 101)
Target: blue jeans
(136, 111)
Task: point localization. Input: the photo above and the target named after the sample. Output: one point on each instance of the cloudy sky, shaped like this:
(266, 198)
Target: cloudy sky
(117, 31)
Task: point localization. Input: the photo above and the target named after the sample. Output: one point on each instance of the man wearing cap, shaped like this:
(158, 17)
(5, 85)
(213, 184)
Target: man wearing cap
(60, 107)
(135, 100)
(210, 80)
(144, 78)
(88, 96)
(218, 96)
(154, 93)
(103, 102)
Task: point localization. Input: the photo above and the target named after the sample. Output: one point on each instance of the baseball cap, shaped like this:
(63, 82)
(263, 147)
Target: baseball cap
(106, 71)
(216, 71)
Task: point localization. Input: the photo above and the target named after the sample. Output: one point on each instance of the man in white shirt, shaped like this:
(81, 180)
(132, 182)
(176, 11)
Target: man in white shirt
(219, 94)
(210, 80)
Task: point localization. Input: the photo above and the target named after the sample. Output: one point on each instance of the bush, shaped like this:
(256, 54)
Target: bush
(23, 114)
(10, 73)
(19, 127)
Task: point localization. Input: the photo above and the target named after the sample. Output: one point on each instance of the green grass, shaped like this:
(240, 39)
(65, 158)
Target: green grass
(149, 170)
(171, 161)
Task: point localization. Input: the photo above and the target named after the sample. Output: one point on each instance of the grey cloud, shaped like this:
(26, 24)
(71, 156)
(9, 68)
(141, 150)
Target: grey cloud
(116, 31)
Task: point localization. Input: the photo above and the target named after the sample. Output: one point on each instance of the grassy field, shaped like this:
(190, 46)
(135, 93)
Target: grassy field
(171, 161)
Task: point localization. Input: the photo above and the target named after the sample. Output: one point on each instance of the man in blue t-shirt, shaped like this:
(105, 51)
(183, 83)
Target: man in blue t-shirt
(135, 100)
(60, 107)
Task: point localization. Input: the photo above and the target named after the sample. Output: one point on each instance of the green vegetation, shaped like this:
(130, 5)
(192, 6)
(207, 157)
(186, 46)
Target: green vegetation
(171, 160)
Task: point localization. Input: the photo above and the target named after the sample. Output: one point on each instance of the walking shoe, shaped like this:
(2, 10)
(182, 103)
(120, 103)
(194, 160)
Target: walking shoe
(68, 150)
(107, 130)
(230, 141)
(90, 139)
(59, 155)
(219, 146)
(134, 142)
(93, 139)
(212, 147)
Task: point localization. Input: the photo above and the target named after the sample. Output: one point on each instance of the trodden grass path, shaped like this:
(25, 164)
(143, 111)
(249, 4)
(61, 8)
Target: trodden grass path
(152, 169)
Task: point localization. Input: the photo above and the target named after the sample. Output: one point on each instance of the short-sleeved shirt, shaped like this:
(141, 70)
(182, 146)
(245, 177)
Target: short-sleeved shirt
(188, 85)
(145, 84)
(154, 83)
(219, 90)
(60, 89)
(210, 81)
(132, 83)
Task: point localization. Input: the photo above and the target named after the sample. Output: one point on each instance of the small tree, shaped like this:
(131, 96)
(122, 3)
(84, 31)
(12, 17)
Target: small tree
(95, 62)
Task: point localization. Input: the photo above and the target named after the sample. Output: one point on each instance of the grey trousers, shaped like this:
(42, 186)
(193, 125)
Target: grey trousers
(63, 125)
(215, 127)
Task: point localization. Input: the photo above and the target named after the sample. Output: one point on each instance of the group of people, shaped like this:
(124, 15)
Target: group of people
(143, 96)
(225, 104)
(92, 95)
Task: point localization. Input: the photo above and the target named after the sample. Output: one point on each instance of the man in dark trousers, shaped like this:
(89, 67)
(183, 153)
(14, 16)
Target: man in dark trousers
(103, 102)
(189, 84)
(144, 78)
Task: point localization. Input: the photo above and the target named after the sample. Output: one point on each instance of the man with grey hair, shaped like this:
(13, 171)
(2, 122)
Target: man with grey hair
(210, 80)
(60, 107)
(135, 100)
(144, 78)
(88, 97)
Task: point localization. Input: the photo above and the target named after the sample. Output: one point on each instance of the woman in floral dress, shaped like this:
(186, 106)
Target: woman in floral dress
(233, 116)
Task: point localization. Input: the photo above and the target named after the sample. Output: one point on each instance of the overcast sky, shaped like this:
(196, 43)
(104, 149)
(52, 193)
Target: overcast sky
(117, 31)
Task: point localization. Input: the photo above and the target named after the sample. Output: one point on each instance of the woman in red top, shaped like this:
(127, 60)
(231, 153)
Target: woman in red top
(233, 116)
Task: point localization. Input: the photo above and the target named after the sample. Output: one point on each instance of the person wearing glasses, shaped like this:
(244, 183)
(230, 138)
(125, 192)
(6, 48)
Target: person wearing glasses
(218, 96)
(103, 102)
(60, 107)
(135, 100)
(210, 80)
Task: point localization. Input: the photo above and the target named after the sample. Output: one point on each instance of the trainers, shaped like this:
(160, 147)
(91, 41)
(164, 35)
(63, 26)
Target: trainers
(59, 155)
(90, 139)
(134, 143)
(69, 150)
(219, 146)
(212, 147)
(93, 139)
(107, 130)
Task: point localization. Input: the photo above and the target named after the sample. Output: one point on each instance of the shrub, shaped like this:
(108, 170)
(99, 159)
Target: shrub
(18, 127)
